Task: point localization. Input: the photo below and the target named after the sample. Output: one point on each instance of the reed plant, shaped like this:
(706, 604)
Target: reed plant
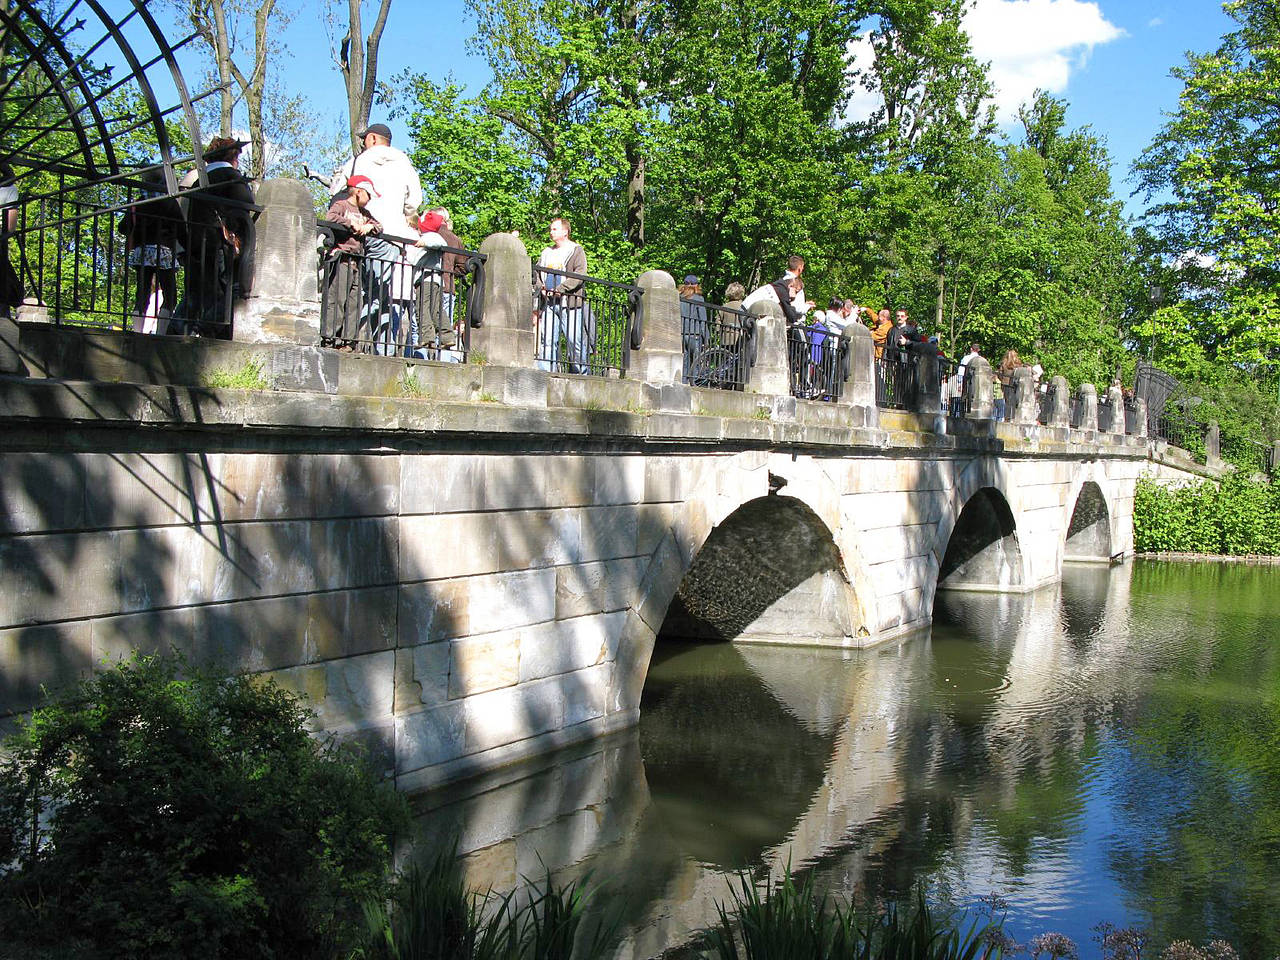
(792, 921)
(431, 915)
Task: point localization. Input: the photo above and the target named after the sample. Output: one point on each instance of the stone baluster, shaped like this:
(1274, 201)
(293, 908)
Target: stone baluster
(928, 397)
(283, 304)
(1026, 402)
(1212, 445)
(1058, 413)
(770, 374)
(1135, 418)
(1086, 417)
(860, 388)
(977, 390)
(506, 336)
(660, 359)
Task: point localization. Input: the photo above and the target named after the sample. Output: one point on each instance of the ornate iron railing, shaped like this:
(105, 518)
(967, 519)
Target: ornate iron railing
(817, 361)
(394, 299)
(896, 379)
(583, 324)
(116, 255)
(1047, 402)
(954, 402)
(719, 345)
(1106, 414)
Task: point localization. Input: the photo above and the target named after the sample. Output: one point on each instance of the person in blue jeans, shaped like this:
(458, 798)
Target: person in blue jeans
(565, 331)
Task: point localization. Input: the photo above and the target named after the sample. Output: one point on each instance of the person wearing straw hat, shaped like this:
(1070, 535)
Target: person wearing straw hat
(219, 256)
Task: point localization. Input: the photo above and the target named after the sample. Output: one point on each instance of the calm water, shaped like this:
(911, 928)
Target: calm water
(1103, 750)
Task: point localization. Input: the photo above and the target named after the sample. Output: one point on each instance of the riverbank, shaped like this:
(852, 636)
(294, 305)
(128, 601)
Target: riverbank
(1181, 557)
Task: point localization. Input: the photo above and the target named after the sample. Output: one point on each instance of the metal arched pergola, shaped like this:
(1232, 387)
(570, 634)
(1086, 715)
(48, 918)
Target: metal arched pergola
(95, 118)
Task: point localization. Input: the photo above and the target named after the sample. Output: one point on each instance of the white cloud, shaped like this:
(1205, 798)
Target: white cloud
(1034, 44)
(1031, 44)
(1155, 22)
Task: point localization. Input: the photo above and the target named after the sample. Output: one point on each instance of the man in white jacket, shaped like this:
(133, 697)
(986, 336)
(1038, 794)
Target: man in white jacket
(399, 192)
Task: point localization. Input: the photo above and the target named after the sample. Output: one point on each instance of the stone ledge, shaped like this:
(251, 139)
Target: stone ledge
(28, 401)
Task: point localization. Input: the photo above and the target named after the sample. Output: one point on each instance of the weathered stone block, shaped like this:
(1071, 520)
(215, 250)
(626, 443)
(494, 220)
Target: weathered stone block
(587, 588)
(619, 478)
(442, 483)
(477, 664)
(540, 538)
(567, 645)
(33, 659)
(435, 610)
(447, 546)
(422, 676)
(608, 533)
(507, 600)
(571, 481)
(427, 737)
(512, 714)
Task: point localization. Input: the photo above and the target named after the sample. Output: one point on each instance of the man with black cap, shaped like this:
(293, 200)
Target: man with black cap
(395, 206)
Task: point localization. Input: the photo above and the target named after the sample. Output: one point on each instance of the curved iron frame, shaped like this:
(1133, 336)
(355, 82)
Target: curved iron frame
(68, 76)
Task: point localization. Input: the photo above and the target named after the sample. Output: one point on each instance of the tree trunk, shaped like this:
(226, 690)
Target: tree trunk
(358, 61)
(222, 56)
(635, 196)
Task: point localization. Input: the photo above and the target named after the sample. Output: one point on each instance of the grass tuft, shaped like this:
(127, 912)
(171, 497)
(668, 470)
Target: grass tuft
(248, 377)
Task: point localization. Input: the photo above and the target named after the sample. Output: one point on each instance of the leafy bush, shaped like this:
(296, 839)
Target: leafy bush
(1239, 516)
(154, 814)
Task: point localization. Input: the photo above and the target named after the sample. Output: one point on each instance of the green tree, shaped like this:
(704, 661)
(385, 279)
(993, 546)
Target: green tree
(1217, 160)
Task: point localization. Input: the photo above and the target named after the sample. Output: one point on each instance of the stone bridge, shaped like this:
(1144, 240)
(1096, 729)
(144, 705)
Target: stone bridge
(465, 565)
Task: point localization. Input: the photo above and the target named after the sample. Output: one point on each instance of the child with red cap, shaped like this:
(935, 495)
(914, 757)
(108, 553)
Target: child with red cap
(345, 296)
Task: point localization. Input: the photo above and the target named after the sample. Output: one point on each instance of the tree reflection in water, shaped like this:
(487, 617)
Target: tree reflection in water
(1103, 750)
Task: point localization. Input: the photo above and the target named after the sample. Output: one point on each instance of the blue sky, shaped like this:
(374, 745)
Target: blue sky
(1110, 59)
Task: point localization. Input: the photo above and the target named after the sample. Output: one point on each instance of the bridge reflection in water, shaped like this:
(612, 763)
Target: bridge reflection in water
(962, 757)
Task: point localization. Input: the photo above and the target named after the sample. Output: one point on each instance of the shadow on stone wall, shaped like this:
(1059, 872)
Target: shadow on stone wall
(238, 552)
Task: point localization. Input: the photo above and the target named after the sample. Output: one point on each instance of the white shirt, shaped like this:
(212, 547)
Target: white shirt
(398, 187)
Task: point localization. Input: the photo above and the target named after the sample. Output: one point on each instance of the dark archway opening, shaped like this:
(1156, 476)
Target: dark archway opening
(1089, 533)
(770, 572)
(983, 552)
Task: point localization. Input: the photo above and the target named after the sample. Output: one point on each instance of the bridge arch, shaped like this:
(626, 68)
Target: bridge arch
(807, 497)
(976, 544)
(770, 571)
(1089, 525)
(982, 551)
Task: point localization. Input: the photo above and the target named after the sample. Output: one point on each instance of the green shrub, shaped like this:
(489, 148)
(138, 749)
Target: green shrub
(157, 814)
(1236, 517)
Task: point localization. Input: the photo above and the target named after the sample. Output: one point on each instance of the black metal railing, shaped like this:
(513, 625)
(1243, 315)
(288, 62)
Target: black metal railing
(1047, 402)
(583, 324)
(719, 345)
(896, 379)
(1131, 414)
(816, 362)
(1181, 430)
(1246, 453)
(392, 298)
(114, 255)
(1107, 414)
(954, 401)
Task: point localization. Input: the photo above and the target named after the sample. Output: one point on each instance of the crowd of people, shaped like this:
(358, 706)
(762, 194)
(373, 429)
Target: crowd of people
(391, 276)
